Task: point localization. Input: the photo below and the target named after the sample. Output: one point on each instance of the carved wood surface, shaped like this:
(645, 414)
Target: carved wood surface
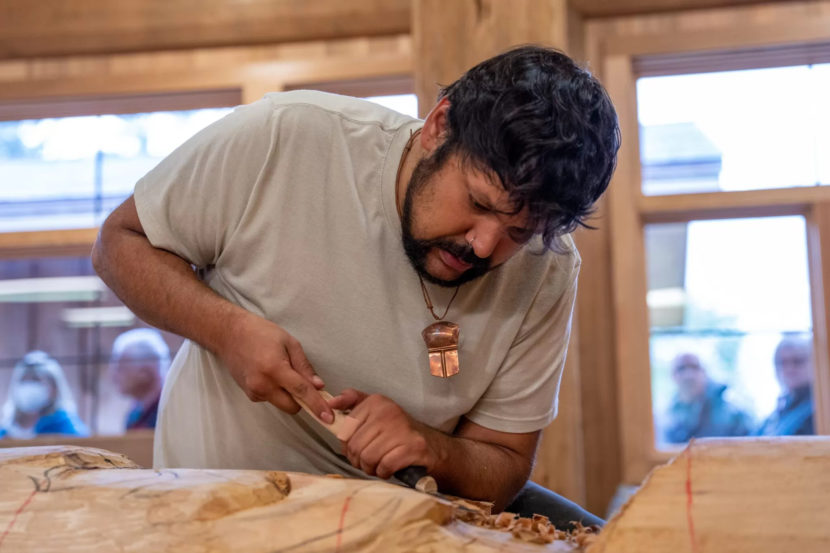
(71, 499)
(760, 495)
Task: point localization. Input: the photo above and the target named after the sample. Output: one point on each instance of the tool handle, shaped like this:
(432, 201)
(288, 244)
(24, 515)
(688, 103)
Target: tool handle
(416, 477)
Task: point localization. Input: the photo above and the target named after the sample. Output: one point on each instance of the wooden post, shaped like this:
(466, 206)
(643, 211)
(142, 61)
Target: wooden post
(451, 37)
(448, 38)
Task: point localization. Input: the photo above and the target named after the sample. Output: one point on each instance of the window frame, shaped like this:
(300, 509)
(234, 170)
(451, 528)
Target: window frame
(689, 42)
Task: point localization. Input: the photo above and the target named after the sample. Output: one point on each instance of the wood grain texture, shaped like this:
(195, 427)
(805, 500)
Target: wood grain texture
(46, 243)
(450, 37)
(726, 205)
(818, 243)
(68, 27)
(630, 311)
(251, 70)
(560, 460)
(606, 8)
(762, 495)
(736, 27)
(598, 378)
(68, 500)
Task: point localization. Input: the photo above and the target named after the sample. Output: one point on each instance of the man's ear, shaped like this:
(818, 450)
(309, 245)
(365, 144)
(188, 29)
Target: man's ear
(435, 126)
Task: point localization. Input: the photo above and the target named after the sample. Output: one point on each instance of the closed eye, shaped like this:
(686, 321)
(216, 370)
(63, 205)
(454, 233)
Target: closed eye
(478, 206)
(520, 235)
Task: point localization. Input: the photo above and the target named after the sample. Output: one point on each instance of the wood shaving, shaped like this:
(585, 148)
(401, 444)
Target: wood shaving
(537, 529)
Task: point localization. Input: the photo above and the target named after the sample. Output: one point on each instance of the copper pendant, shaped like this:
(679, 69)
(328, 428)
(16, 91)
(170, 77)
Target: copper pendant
(442, 344)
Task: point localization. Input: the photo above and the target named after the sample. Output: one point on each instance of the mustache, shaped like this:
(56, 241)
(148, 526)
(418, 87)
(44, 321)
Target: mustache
(464, 252)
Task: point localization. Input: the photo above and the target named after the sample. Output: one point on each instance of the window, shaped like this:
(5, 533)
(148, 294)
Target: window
(61, 173)
(730, 133)
(58, 306)
(404, 103)
(70, 172)
(723, 294)
(735, 130)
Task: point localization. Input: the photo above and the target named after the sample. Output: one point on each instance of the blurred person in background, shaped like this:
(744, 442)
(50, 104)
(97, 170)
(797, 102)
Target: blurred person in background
(39, 401)
(794, 369)
(139, 362)
(699, 408)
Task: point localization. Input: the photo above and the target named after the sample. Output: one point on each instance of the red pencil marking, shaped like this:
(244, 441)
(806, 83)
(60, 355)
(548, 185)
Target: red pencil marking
(342, 521)
(690, 522)
(16, 514)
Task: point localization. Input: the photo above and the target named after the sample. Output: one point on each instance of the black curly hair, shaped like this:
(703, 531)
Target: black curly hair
(541, 124)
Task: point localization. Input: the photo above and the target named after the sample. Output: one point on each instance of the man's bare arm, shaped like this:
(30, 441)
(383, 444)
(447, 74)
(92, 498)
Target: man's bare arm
(162, 289)
(481, 463)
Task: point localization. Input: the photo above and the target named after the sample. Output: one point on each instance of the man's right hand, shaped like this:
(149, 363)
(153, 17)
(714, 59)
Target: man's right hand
(269, 365)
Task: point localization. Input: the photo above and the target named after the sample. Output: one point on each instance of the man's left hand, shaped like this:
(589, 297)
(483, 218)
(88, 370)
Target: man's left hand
(386, 439)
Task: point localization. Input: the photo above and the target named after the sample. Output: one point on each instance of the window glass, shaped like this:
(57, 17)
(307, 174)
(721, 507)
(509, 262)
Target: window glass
(731, 331)
(735, 130)
(70, 172)
(403, 103)
(58, 307)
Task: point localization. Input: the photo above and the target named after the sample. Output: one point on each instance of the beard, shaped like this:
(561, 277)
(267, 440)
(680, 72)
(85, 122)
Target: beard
(417, 249)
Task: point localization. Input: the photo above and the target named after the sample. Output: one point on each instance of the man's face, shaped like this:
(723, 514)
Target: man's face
(793, 367)
(447, 206)
(689, 377)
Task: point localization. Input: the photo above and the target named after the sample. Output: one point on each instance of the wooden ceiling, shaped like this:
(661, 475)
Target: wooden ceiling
(77, 27)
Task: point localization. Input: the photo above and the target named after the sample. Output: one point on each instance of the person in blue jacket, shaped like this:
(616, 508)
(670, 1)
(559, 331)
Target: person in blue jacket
(699, 408)
(39, 401)
(793, 416)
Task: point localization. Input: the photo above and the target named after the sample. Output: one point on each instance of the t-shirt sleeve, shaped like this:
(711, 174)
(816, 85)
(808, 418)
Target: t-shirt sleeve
(192, 201)
(524, 395)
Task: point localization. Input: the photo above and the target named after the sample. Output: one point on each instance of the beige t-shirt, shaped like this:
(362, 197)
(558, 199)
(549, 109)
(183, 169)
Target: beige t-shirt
(290, 203)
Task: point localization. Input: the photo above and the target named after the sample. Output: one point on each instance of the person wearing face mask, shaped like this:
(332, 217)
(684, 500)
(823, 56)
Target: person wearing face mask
(139, 361)
(39, 401)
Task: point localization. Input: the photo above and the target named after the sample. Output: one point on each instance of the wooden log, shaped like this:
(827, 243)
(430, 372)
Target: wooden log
(68, 499)
(723, 495)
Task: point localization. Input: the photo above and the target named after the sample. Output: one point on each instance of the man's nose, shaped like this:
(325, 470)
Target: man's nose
(485, 236)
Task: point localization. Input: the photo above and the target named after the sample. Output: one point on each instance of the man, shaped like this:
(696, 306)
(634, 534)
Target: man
(140, 358)
(699, 408)
(794, 369)
(296, 207)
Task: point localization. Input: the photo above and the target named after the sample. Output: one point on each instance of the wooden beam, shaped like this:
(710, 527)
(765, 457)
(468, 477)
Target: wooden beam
(71, 27)
(628, 262)
(728, 205)
(604, 8)
(818, 243)
(727, 28)
(450, 37)
(47, 243)
(597, 368)
(560, 463)
(246, 72)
